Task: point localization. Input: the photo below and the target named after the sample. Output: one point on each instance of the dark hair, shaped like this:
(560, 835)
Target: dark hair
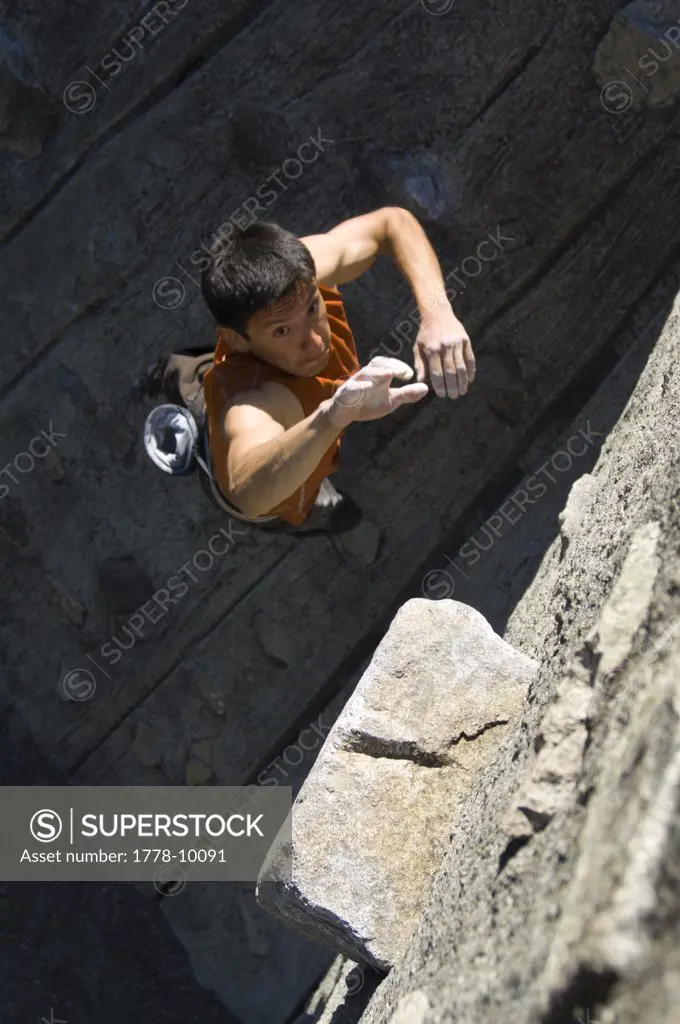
(250, 269)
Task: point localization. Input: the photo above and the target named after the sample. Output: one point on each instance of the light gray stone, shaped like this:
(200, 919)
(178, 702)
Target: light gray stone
(578, 920)
(580, 498)
(411, 1009)
(552, 778)
(293, 764)
(374, 818)
(628, 604)
(621, 896)
(553, 775)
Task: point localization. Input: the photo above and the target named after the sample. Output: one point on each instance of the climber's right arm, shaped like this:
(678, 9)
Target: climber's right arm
(273, 446)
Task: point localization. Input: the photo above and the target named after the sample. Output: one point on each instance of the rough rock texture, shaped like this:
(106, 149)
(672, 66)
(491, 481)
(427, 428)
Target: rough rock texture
(638, 62)
(552, 778)
(581, 496)
(71, 945)
(536, 317)
(25, 116)
(573, 916)
(375, 815)
(487, 122)
(342, 994)
(236, 950)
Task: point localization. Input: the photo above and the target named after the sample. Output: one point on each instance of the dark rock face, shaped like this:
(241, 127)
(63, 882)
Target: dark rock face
(124, 584)
(126, 141)
(638, 62)
(26, 116)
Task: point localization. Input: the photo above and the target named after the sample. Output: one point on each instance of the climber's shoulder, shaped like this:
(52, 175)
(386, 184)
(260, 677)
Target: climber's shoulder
(261, 409)
(350, 248)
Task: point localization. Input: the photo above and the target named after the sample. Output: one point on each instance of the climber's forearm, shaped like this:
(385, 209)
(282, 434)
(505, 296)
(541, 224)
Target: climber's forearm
(442, 351)
(408, 245)
(265, 475)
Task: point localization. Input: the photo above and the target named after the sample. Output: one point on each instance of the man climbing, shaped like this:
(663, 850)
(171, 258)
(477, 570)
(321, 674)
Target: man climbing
(286, 381)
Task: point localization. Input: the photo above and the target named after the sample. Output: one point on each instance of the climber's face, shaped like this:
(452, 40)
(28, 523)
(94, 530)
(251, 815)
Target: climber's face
(293, 334)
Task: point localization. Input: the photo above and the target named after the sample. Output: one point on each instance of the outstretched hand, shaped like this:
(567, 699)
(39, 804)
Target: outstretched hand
(367, 395)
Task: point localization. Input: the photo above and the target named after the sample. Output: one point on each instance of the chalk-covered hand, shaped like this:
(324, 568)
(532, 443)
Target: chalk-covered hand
(367, 395)
(443, 355)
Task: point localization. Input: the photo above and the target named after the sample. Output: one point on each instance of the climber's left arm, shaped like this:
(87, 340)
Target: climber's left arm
(442, 350)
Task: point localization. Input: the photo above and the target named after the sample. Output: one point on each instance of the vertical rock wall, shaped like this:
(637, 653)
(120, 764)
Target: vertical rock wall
(558, 900)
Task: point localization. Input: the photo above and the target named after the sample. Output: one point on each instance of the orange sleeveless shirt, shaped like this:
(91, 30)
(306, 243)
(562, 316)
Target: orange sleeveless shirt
(237, 371)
